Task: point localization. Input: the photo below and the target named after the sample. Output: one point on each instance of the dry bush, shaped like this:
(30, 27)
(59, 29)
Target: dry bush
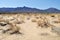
(37, 17)
(43, 23)
(44, 34)
(56, 30)
(12, 29)
(34, 20)
(52, 15)
(28, 18)
(56, 21)
(40, 24)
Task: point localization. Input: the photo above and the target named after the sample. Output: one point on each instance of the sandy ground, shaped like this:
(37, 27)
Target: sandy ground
(30, 30)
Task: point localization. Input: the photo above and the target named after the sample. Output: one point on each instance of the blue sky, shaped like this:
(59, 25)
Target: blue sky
(40, 4)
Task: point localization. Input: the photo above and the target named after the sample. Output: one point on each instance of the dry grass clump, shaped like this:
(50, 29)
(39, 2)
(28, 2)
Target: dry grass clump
(28, 18)
(56, 30)
(56, 21)
(43, 23)
(52, 15)
(12, 29)
(44, 34)
(37, 17)
(34, 20)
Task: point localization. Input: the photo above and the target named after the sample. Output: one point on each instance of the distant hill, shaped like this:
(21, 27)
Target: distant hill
(52, 10)
(28, 9)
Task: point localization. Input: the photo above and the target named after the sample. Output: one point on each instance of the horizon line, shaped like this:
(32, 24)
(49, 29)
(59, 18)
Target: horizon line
(30, 7)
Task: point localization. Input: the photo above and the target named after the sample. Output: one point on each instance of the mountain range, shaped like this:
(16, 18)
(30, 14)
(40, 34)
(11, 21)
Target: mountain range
(29, 9)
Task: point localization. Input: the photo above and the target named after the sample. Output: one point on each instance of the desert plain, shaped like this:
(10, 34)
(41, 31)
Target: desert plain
(30, 26)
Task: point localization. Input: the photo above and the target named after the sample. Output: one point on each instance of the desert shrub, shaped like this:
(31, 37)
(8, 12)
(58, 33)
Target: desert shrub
(34, 20)
(55, 30)
(57, 21)
(52, 16)
(28, 18)
(2, 24)
(37, 17)
(43, 24)
(39, 23)
(44, 34)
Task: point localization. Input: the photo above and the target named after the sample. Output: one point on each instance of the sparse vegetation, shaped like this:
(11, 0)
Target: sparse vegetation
(34, 20)
(28, 24)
